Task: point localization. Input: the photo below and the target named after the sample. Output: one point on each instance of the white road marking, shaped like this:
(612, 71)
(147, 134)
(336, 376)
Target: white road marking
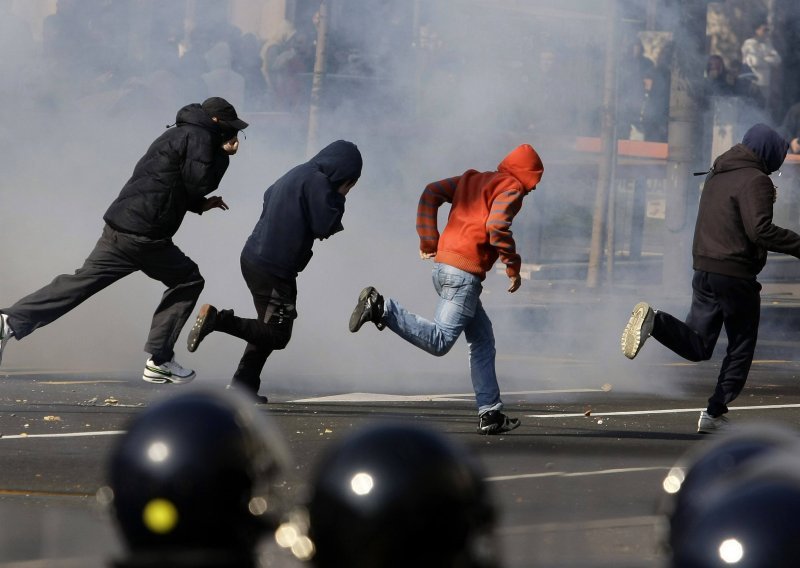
(659, 411)
(543, 360)
(50, 372)
(456, 397)
(89, 382)
(576, 473)
(618, 523)
(64, 434)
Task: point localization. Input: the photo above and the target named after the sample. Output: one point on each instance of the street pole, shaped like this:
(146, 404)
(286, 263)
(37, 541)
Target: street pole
(608, 142)
(316, 83)
(682, 188)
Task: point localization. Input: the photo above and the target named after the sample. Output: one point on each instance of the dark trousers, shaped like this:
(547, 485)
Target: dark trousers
(115, 256)
(717, 300)
(274, 299)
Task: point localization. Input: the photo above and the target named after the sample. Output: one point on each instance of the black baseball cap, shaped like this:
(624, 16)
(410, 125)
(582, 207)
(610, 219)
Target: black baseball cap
(224, 111)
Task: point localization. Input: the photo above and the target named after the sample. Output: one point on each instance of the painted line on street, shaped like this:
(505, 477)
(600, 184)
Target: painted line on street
(600, 524)
(64, 434)
(576, 473)
(454, 397)
(55, 372)
(86, 382)
(659, 411)
(40, 493)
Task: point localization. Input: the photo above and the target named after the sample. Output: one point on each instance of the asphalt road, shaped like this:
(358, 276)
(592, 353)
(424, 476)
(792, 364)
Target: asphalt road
(578, 484)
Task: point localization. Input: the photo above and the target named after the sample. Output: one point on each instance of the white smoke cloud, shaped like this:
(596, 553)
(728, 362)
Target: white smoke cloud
(476, 82)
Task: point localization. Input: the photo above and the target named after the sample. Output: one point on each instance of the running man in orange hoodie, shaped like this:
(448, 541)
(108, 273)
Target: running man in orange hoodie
(478, 232)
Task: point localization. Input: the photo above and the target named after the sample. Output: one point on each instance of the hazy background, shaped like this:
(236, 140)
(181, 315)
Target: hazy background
(425, 89)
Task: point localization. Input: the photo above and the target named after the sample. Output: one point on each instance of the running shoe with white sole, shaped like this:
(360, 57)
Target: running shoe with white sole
(495, 422)
(708, 424)
(6, 333)
(170, 372)
(638, 329)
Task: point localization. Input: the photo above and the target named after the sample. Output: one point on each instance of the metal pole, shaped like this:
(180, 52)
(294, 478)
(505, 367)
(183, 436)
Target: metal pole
(418, 58)
(316, 84)
(682, 189)
(608, 141)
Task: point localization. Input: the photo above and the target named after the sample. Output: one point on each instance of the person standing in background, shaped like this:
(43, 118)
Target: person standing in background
(761, 57)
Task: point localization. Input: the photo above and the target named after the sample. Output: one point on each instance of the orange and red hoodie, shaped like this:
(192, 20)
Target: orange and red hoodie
(478, 229)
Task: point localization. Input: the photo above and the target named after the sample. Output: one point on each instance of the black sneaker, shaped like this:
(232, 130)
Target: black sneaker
(368, 308)
(495, 422)
(203, 325)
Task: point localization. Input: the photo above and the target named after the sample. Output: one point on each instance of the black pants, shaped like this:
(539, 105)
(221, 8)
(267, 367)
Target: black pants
(115, 256)
(717, 300)
(274, 300)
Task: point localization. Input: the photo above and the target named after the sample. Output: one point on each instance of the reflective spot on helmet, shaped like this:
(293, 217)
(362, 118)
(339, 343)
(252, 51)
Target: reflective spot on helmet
(158, 452)
(731, 551)
(160, 516)
(362, 483)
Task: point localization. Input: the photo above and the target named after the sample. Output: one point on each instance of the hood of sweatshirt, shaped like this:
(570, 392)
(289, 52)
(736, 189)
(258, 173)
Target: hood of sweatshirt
(340, 161)
(524, 164)
(768, 145)
(194, 114)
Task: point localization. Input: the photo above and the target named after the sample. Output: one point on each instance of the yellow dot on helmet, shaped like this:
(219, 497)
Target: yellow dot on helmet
(160, 516)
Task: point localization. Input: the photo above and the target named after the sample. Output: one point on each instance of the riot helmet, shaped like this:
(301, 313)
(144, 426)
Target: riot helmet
(750, 522)
(400, 495)
(198, 473)
(710, 468)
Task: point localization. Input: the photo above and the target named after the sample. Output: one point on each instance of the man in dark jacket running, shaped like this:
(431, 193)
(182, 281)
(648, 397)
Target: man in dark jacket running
(733, 233)
(305, 204)
(180, 168)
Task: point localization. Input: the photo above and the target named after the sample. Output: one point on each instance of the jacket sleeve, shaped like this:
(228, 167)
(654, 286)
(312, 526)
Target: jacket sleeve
(749, 53)
(771, 55)
(324, 208)
(756, 210)
(202, 169)
(504, 207)
(433, 196)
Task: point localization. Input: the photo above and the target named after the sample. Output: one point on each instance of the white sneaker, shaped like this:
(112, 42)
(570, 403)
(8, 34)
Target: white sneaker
(167, 373)
(638, 329)
(6, 333)
(708, 424)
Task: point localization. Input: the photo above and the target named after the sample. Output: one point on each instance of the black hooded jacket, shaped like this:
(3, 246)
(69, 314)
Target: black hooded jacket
(180, 168)
(734, 227)
(303, 205)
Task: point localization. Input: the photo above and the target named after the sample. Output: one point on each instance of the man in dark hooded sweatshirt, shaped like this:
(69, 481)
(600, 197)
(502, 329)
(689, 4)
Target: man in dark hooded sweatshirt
(178, 171)
(305, 204)
(733, 233)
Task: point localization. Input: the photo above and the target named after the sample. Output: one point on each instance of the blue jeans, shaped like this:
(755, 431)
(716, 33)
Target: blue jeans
(459, 309)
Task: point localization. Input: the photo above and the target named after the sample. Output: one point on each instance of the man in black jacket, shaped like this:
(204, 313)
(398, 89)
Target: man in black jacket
(733, 233)
(180, 168)
(305, 204)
